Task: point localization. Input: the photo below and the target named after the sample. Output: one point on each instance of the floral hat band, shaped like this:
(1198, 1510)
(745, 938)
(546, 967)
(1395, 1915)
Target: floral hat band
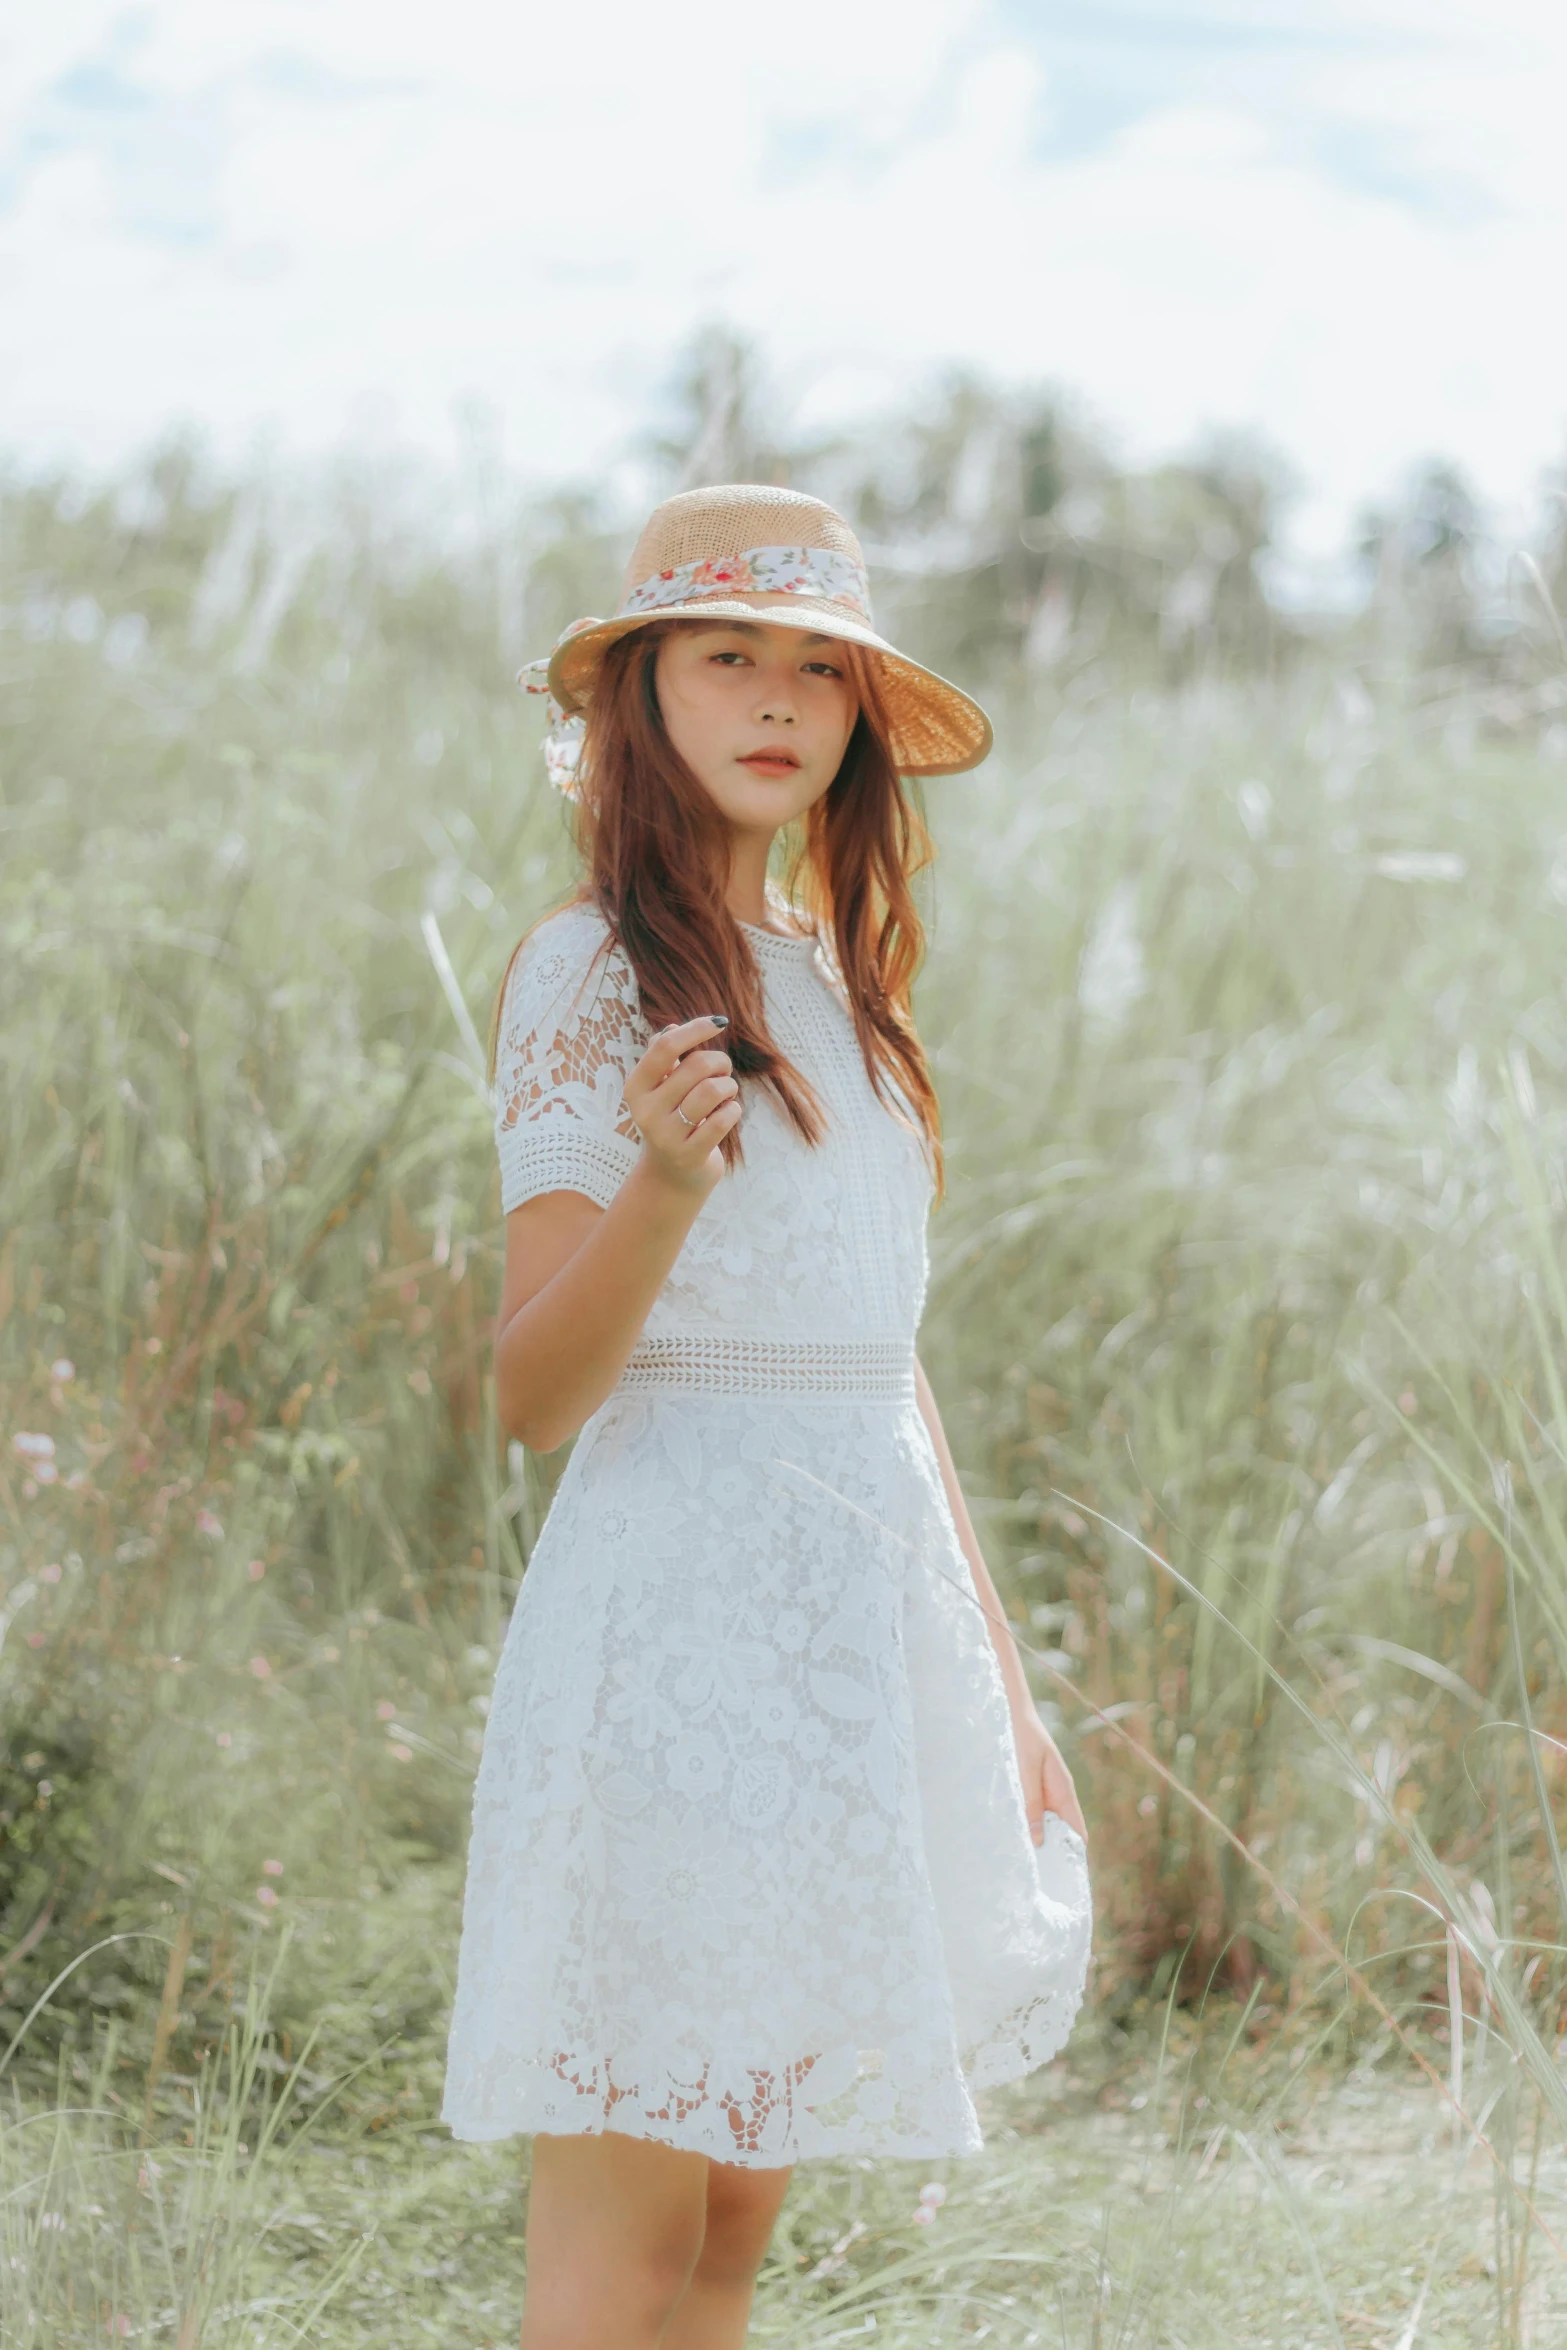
(771, 571)
(810, 574)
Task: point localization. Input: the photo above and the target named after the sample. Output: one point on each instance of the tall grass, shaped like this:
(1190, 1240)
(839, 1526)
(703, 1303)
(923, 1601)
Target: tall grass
(106, 2233)
(1237, 1221)
(1246, 1318)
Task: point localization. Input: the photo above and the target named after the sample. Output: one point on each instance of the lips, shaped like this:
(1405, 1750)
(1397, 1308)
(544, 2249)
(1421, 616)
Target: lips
(771, 762)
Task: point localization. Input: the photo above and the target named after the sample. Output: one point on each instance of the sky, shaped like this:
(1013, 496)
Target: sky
(301, 225)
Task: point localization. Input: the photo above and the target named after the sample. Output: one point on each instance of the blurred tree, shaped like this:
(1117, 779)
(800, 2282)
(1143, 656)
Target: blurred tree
(1178, 558)
(721, 430)
(1004, 538)
(958, 504)
(127, 551)
(1422, 555)
(1553, 555)
(1017, 543)
(574, 567)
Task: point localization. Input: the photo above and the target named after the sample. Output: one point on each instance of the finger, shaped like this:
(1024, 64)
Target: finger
(701, 1061)
(689, 1124)
(1061, 1797)
(681, 1036)
(691, 1092)
(662, 1088)
(704, 1132)
(716, 1122)
(697, 1099)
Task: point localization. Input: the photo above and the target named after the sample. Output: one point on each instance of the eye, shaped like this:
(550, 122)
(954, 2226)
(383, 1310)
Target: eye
(824, 669)
(730, 655)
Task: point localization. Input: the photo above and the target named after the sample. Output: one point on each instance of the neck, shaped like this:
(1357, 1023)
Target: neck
(746, 896)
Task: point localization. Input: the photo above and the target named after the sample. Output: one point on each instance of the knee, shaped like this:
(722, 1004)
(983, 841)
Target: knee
(631, 2300)
(657, 2267)
(595, 2292)
(658, 2276)
(742, 2207)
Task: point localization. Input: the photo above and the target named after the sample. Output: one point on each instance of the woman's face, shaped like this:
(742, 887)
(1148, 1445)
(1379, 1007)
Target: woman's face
(761, 715)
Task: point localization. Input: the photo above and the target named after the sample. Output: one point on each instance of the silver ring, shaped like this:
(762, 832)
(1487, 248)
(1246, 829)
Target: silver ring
(680, 1114)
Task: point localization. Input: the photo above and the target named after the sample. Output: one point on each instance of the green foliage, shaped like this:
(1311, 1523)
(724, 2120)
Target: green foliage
(247, 1206)
(1225, 1082)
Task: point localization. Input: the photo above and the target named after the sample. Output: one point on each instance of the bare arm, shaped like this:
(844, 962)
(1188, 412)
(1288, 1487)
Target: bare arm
(1047, 1783)
(580, 1280)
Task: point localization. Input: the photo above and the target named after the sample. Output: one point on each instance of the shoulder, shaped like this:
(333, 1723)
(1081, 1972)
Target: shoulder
(572, 952)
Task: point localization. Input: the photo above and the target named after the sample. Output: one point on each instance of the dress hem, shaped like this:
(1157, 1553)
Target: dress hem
(929, 2148)
(994, 2065)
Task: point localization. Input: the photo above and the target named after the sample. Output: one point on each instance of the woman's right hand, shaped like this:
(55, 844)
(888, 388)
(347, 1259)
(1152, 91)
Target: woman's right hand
(684, 1099)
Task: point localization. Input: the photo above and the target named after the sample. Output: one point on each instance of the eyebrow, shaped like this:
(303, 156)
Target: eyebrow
(756, 628)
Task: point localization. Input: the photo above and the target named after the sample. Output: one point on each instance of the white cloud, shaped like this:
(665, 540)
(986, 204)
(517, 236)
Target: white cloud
(295, 217)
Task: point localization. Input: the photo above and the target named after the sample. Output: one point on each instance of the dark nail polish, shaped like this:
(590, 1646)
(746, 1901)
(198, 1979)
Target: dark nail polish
(719, 1019)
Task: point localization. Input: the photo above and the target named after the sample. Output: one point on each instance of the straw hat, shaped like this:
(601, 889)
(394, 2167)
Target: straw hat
(744, 552)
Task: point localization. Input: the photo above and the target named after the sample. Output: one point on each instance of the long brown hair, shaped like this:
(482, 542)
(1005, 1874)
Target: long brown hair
(654, 857)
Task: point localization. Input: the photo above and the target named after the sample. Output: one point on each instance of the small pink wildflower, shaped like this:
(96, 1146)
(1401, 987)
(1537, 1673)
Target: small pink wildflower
(403, 1753)
(272, 1868)
(932, 2196)
(33, 1445)
(50, 1573)
(267, 1896)
(385, 1710)
(62, 1371)
(261, 1669)
(256, 1569)
(35, 1640)
(224, 1738)
(210, 1525)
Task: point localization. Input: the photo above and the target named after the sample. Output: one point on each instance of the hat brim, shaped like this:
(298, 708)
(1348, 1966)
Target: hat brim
(937, 729)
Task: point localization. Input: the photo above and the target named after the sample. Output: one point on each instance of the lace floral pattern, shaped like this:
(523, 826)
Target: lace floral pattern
(571, 1032)
(749, 1870)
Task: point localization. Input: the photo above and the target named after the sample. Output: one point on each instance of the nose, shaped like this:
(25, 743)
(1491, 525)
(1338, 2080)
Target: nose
(775, 702)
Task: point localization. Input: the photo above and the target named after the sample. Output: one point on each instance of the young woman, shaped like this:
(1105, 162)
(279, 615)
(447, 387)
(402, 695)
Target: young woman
(772, 1856)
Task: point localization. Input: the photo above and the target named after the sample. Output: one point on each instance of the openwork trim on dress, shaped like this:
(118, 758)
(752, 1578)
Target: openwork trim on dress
(843, 1370)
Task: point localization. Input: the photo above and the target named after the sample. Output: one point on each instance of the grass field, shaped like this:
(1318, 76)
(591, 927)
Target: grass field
(1247, 1321)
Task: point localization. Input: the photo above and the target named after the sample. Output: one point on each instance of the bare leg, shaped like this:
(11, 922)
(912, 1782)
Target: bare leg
(715, 2308)
(615, 2231)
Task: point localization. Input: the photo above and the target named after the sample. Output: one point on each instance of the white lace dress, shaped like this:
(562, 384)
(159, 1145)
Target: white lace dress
(749, 1871)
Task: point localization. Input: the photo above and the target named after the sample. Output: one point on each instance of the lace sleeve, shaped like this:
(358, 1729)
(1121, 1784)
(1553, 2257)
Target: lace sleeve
(571, 1032)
